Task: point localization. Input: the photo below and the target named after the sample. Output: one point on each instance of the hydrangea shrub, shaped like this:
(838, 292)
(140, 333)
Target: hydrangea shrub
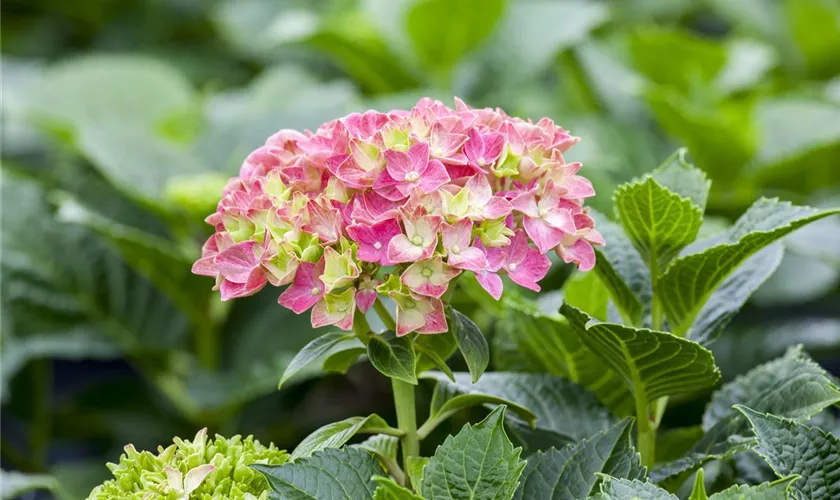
(381, 212)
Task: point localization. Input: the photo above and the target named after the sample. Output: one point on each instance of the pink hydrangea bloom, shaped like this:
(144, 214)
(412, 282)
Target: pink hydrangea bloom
(400, 204)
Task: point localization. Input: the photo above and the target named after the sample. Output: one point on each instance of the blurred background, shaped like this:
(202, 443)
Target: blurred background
(123, 119)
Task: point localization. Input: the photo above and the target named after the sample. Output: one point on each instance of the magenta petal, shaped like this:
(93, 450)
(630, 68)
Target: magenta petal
(236, 263)
(365, 299)
(374, 240)
(434, 177)
(254, 284)
(580, 252)
(491, 282)
(531, 270)
(398, 164)
(306, 290)
(497, 207)
(435, 320)
(543, 235)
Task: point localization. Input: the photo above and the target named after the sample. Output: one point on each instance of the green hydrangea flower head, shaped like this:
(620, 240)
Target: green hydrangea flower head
(201, 469)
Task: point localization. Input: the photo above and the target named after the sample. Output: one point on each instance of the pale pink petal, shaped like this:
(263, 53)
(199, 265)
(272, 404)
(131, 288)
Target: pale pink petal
(562, 219)
(526, 203)
(306, 290)
(398, 164)
(433, 177)
(365, 299)
(578, 187)
(491, 282)
(457, 234)
(238, 262)
(579, 252)
(542, 234)
(470, 259)
(400, 249)
(530, 270)
(497, 207)
(435, 320)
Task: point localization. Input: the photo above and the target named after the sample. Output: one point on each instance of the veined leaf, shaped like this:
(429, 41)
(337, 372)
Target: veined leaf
(659, 222)
(336, 434)
(804, 389)
(652, 364)
(471, 343)
(414, 469)
(793, 449)
(563, 410)
(387, 489)
(621, 269)
(478, 463)
(792, 386)
(588, 293)
(622, 489)
(570, 473)
(551, 346)
(344, 474)
(393, 356)
(679, 176)
(341, 360)
(313, 351)
(690, 281)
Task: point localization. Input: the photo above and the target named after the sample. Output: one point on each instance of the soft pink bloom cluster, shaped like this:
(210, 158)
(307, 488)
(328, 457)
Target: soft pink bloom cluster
(399, 204)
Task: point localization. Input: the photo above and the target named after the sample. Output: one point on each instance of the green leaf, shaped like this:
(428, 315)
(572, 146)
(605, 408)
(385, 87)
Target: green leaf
(689, 282)
(672, 444)
(414, 469)
(698, 492)
(792, 449)
(623, 489)
(550, 345)
(477, 463)
(459, 27)
(136, 160)
(344, 474)
(441, 345)
(101, 88)
(435, 359)
(387, 489)
(814, 28)
(587, 292)
(14, 484)
(313, 351)
(652, 364)
(383, 446)
(676, 59)
(659, 222)
(393, 356)
(565, 411)
(804, 389)
(679, 176)
(471, 343)
(570, 473)
(336, 434)
(777, 490)
(342, 360)
(792, 386)
(621, 269)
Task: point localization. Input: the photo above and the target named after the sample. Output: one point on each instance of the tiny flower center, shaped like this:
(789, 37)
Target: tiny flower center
(543, 212)
(512, 266)
(410, 305)
(342, 308)
(417, 240)
(411, 176)
(455, 249)
(315, 290)
(426, 272)
(377, 245)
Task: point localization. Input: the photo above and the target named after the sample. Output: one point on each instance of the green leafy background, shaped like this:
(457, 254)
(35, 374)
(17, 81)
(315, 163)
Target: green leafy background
(122, 120)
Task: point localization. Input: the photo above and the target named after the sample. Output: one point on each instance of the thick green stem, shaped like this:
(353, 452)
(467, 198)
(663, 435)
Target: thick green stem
(406, 418)
(384, 314)
(647, 446)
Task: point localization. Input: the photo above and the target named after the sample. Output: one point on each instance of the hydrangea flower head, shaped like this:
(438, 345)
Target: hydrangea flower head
(202, 469)
(400, 204)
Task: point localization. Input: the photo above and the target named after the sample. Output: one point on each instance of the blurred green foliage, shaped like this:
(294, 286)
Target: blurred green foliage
(121, 120)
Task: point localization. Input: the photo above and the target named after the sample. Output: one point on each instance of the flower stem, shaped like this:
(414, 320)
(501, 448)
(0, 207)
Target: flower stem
(384, 314)
(406, 418)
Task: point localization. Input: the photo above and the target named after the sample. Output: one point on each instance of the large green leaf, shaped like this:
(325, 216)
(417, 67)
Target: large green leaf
(690, 281)
(101, 88)
(478, 463)
(815, 29)
(393, 356)
(550, 345)
(444, 31)
(623, 489)
(570, 473)
(793, 449)
(136, 160)
(676, 59)
(344, 474)
(659, 222)
(652, 364)
(804, 389)
(471, 343)
(336, 434)
(387, 489)
(679, 176)
(793, 386)
(564, 411)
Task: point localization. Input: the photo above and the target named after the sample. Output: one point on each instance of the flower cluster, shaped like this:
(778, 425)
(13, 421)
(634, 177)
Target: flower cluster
(399, 204)
(201, 469)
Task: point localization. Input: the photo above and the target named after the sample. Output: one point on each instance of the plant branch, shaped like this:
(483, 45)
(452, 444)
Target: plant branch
(384, 314)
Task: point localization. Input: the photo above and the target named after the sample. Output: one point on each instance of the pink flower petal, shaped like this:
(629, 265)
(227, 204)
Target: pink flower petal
(542, 234)
(579, 252)
(491, 282)
(374, 240)
(306, 290)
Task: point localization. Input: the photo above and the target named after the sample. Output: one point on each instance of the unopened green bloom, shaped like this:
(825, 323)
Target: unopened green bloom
(166, 475)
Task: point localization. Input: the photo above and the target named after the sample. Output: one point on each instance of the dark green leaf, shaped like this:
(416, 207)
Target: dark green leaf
(570, 473)
(342, 360)
(690, 281)
(344, 474)
(478, 463)
(313, 351)
(471, 343)
(336, 434)
(793, 449)
(393, 356)
(777, 490)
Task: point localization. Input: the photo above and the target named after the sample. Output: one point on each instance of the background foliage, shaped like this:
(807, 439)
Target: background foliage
(121, 121)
